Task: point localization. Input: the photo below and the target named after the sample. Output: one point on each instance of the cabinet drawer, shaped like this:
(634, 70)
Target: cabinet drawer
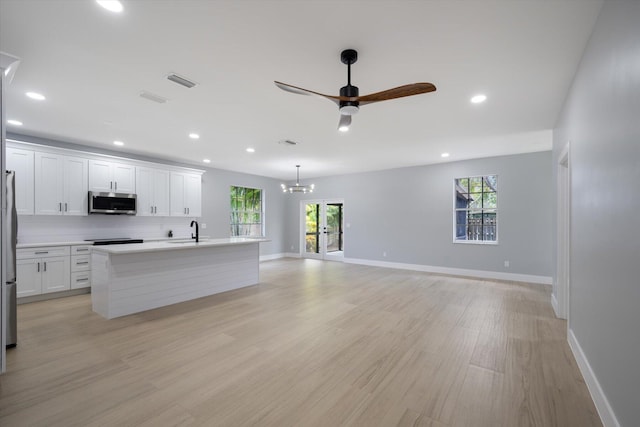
(48, 251)
(81, 250)
(80, 263)
(80, 279)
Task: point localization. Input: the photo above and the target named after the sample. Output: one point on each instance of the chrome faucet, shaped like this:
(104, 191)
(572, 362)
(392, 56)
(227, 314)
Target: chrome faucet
(197, 236)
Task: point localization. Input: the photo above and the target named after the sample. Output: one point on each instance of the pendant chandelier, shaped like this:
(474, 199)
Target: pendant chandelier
(297, 188)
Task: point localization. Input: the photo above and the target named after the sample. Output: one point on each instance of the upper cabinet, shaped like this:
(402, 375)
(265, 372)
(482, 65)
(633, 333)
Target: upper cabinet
(56, 181)
(21, 161)
(152, 186)
(186, 194)
(111, 177)
(60, 184)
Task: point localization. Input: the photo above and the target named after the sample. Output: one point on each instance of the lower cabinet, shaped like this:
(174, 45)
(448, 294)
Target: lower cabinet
(52, 269)
(42, 275)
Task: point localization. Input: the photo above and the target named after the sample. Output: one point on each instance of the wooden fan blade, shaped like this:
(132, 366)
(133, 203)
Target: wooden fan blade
(397, 92)
(301, 91)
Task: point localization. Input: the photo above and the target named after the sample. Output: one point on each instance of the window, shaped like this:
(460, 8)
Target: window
(246, 212)
(476, 209)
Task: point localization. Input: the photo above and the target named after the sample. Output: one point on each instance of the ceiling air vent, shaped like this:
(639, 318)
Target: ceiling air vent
(181, 80)
(153, 97)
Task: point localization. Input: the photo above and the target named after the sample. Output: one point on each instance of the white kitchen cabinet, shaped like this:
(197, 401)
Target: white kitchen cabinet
(80, 267)
(60, 184)
(21, 161)
(152, 186)
(106, 177)
(42, 270)
(186, 194)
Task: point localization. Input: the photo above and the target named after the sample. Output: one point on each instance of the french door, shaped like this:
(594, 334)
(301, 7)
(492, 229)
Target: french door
(322, 229)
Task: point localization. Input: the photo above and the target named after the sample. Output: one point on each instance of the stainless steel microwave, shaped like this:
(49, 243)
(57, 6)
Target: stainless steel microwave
(112, 203)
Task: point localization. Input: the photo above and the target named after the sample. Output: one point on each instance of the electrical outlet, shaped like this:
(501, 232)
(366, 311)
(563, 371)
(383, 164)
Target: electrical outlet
(506, 264)
(384, 254)
(291, 247)
(204, 225)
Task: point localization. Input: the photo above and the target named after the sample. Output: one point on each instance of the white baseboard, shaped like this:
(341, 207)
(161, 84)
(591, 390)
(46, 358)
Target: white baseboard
(278, 256)
(498, 275)
(554, 304)
(603, 407)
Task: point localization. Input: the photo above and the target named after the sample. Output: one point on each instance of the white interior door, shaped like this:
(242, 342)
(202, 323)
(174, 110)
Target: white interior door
(322, 229)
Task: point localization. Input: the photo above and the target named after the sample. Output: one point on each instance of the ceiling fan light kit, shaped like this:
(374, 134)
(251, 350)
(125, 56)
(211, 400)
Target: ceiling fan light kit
(349, 100)
(297, 188)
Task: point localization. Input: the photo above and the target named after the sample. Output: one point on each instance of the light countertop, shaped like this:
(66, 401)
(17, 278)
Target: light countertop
(175, 244)
(42, 245)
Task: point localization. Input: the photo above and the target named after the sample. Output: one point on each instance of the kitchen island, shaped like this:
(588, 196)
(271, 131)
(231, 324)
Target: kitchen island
(131, 278)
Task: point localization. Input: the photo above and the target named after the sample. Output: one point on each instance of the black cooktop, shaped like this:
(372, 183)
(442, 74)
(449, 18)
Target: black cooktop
(116, 241)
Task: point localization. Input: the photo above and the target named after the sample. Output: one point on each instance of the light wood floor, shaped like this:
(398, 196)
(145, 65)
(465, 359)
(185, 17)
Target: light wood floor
(314, 344)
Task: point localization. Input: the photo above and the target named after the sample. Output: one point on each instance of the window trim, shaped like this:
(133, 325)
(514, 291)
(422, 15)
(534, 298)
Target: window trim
(455, 210)
(262, 211)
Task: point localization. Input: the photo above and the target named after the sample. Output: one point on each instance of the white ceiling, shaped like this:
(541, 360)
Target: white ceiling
(92, 64)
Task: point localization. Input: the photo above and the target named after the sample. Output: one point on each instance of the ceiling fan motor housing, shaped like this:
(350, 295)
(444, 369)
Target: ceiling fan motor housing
(349, 107)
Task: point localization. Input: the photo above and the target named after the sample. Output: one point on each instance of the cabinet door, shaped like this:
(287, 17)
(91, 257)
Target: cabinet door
(178, 207)
(28, 280)
(21, 161)
(56, 274)
(124, 178)
(144, 186)
(100, 176)
(48, 184)
(75, 181)
(161, 193)
(193, 195)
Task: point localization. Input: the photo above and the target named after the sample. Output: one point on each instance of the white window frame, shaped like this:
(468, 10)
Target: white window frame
(262, 212)
(496, 210)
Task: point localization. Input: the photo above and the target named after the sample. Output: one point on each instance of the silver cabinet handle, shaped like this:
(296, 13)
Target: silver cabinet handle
(60, 206)
(41, 252)
(185, 211)
(188, 211)
(65, 206)
(45, 266)
(151, 209)
(116, 185)
(83, 262)
(111, 185)
(38, 267)
(82, 280)
(82, 249)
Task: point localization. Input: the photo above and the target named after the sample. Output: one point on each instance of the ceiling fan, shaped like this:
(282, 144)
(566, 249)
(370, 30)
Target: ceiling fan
(349, 100)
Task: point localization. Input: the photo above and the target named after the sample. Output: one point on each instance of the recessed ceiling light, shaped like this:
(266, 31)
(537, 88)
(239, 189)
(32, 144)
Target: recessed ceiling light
(36, 96)
(444, 155)
(111, 5)
(206, 160)
(194, 136)
(477, 99)
(118, 143)
(251, 150)
(14, 122)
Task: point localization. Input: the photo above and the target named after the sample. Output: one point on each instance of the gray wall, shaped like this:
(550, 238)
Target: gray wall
(215, 209)
(601, 118)
(408, 214)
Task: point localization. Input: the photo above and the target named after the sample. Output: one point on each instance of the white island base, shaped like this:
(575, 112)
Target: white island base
(131, 278)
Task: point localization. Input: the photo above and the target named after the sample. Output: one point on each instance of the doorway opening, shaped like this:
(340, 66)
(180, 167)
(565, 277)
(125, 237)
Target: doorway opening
(322, 229)
(563, 237)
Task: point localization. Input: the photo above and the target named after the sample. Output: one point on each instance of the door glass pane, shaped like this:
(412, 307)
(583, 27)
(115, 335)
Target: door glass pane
(334, 227)
(312, 234)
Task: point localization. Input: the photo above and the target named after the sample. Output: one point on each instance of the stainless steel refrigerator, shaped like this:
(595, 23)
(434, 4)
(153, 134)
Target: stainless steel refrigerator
(12, 239)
